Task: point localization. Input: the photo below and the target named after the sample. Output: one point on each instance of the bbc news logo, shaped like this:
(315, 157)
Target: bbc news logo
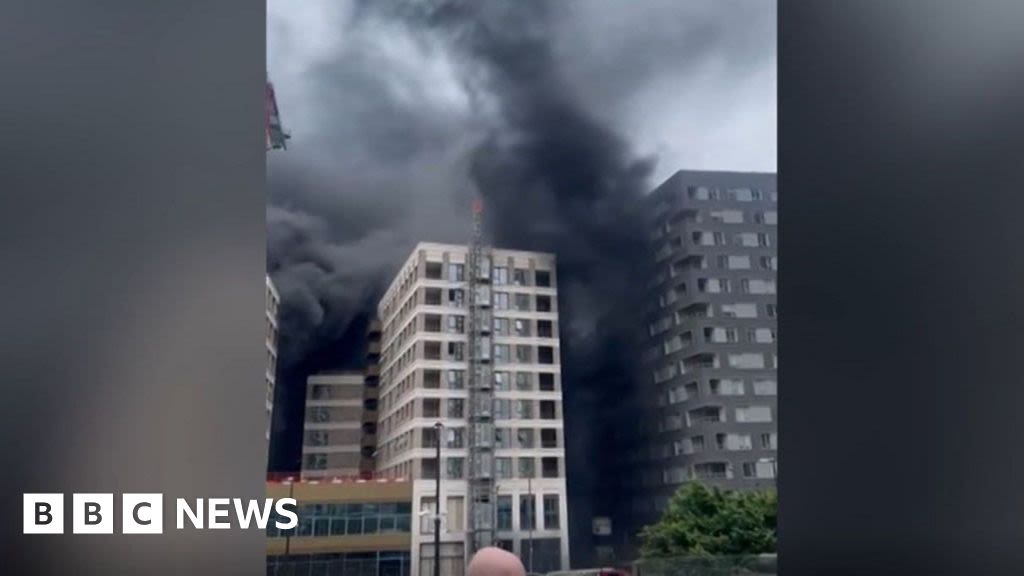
(144, 513)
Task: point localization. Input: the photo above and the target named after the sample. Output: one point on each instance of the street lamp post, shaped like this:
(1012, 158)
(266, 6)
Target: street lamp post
(437, 505)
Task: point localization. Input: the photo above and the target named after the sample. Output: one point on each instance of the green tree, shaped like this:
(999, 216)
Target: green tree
(708, 521)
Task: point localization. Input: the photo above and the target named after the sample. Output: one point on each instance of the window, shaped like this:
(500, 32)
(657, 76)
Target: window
(741, 194)
(432, 350)
(457, 351)
(501, 300)
(431, 323)
(545, 355)
(428, 437)
(712, 470)
(456, 272)
(431, 407)
(317, 438)
(523, 409)
(500, 275)
(501, 381)
(548, 410)
(432, 296)
(704, 238)
(504, 513)
(737, 262)
(698, 192)
(739, 310)
(726, 387)
(524, 438)
(502, 408)
(771, 310)
(456, 379)
(764, 240)
(456, 407)
(707, 414)
(527, 468)
(543, 278)
(748, 239)
(547, 381)
(456, 298)
(713, 285)
(433, 270)
(455, 437)
(503, 468)
(769, 442)
(456, 511)
(551, 512)
(727, 216)
(428, 505)
(501, 353)
(766, 387)
(754, 414)
(768, 263)
(720, 335)
(527, 512)
(522, 326)
(543, 303)
(734, 442)
(759, 469)
(316, 461)
(763, 335)
(519, 277)
(549, 467)
(524, 381)
(524, 354)
(430, 467)
(696, 444)
(501, 326)
(502, 437)
(746, 361)
(456, 324)
(749, 469)
(548, 438)
(454, 469)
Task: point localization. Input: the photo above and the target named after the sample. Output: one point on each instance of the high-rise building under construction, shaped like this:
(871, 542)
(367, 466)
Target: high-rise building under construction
(470, 361)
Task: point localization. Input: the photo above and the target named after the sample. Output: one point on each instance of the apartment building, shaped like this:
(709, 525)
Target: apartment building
(332, 433)
(711, 318)
(345, 527)
(509, 433)
(272, 302)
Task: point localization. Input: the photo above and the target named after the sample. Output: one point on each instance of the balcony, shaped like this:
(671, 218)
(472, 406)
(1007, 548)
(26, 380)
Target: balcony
(712, 471)
(706, 415)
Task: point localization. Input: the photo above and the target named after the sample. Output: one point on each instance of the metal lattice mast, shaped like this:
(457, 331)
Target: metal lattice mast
(482, 509)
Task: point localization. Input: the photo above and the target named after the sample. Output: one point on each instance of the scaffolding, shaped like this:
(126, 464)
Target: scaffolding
(276, 136)
(482, 513)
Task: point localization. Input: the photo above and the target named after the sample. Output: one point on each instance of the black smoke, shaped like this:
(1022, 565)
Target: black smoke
(556, 179)
(388, 162)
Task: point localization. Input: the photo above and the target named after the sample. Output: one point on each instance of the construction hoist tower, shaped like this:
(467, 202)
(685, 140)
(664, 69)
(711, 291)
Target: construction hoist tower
(482, 513)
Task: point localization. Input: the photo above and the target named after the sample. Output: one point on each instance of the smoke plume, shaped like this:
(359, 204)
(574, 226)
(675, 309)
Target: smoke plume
(398, 109)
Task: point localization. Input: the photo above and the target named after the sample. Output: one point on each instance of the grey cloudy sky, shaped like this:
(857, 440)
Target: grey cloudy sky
(385, 116)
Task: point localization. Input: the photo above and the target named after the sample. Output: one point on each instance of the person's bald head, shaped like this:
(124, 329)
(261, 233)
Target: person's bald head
(495, 562)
